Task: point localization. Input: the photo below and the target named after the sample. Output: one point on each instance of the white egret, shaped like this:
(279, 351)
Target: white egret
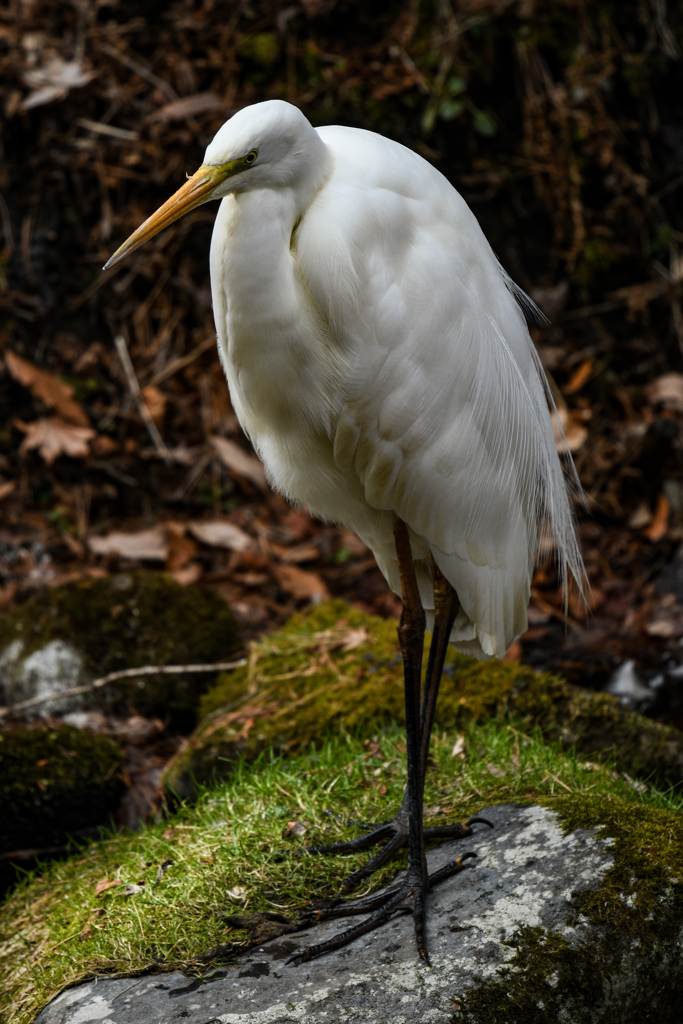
(379, 359)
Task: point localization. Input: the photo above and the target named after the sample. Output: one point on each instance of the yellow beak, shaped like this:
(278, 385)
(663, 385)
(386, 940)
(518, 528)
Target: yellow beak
(194, 192)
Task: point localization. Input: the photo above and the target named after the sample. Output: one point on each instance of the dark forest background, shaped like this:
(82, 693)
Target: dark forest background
(561, 123)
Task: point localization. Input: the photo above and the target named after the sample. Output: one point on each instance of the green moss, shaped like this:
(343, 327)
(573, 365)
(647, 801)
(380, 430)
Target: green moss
(128, 620)
(55, 782)
(178, 878)
(334, 665)
(639, 910)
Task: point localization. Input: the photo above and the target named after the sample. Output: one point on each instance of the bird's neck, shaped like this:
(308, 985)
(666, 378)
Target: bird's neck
(272, 337)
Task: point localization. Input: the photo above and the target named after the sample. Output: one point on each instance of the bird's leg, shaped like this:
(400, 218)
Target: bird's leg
(409, 894)
(394, 834)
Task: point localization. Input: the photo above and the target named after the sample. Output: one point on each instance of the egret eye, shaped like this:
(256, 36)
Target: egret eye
(250, 157)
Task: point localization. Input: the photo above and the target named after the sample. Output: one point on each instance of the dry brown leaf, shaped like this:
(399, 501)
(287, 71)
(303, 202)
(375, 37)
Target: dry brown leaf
(48, 388)
(570, 424)
(301, 583)
(660, 520)
(188, 106)
(181, 550)
(295, 828)
(155, 401)
(667, 390)
(188, 575)
(146, 545)
(54, 437)
(7, 488)
(220, 533)
(579, 377)
(239, 462)
(106, 883)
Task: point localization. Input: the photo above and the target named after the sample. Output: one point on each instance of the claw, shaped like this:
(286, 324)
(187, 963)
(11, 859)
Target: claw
(479, 821)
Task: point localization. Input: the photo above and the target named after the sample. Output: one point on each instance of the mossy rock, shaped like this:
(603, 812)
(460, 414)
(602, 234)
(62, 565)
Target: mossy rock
(55, 783)
(335, 666)
(595, 939)
(71, 635)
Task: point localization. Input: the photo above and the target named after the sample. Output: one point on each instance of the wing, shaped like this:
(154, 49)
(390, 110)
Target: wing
(445, 413)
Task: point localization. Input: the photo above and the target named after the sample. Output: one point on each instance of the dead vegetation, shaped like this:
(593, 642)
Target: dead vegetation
(559, 122)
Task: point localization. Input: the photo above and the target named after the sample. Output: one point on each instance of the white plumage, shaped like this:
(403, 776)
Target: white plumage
(378, 358)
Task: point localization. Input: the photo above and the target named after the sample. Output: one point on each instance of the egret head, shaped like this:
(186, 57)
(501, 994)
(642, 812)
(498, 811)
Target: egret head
(267, 145)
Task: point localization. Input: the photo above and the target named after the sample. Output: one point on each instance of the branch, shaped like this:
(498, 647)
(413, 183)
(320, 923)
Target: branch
(111, 677)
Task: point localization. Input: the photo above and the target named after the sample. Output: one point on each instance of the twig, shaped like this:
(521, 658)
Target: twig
(183, 361)
(126, 673)
(157, 439)
(139, 69)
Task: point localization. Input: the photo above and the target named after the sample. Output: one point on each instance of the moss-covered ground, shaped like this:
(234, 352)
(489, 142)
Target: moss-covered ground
(334, 665)
(55, 781)
(128, 620)
(159, 898)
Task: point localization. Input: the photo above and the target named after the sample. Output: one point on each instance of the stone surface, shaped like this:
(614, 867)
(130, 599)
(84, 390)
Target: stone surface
(524, 879)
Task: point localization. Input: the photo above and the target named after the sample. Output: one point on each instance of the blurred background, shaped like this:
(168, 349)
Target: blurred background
(561, 123)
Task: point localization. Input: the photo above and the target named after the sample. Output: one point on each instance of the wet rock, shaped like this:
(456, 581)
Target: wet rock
(69, 636)
(519, 937)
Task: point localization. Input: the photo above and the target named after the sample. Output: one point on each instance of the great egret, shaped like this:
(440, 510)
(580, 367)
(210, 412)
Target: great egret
(379, 359)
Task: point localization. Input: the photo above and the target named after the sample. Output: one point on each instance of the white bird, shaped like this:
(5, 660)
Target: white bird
(378, 358)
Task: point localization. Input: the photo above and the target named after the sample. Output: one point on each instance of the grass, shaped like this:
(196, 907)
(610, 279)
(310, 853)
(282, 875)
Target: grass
(159, 897)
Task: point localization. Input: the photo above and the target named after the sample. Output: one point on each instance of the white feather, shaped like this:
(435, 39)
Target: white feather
(379, 359)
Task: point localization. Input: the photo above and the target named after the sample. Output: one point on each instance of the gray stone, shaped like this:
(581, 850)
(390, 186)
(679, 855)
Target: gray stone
(525, 877)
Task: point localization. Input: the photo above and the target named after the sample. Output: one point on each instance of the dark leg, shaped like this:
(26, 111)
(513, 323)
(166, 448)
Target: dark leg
(394, 834)
(408, 895)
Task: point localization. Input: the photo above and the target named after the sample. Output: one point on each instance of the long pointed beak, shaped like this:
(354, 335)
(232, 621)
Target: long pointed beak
(194, 192)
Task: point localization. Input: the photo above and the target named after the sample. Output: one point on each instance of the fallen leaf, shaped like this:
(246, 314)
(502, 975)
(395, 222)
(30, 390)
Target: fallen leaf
(147, 545)
(569, 424)
(640, 517)
(660, 521)
(579, 377)
(220, 533)
(667, 390)
(48, 388)
(155, 401)
(239, 462)
(106, 883)
(132, 890)
(181, 550)
(354, 638)
(459, 747)
(300, 583)
(295, 829)
(54, 80)
(188, 106)
(54, 437)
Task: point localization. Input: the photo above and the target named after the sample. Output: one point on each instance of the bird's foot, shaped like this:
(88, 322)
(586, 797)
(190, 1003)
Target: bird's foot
(394, 835)
(404, 897)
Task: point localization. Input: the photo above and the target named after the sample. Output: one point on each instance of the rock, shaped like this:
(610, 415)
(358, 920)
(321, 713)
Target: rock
(547, 926)
(334, 665)
(71, 635)
(57, 784)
